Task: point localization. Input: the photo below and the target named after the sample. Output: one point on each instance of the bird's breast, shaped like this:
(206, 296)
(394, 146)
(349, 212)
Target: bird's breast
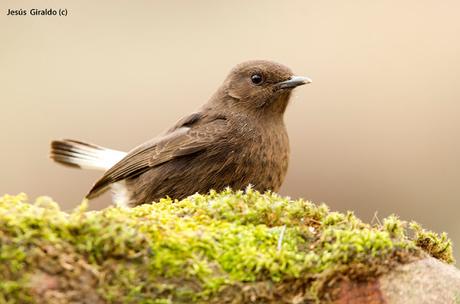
(264, 157)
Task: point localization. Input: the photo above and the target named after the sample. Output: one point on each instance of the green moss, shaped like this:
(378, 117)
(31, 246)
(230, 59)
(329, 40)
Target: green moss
(438, 246)
(206, 248)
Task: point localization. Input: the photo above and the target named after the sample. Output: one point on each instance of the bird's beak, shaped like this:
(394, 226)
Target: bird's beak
(293, 82)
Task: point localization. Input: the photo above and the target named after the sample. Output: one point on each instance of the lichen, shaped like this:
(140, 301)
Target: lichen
(218, 248)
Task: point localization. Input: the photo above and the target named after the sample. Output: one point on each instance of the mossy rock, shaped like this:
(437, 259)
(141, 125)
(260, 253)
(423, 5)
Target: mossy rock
(229, 247)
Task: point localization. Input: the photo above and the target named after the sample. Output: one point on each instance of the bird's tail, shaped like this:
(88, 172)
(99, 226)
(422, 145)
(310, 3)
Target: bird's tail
(84, 155)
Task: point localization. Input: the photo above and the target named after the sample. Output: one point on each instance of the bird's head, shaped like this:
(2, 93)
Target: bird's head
(261, 86)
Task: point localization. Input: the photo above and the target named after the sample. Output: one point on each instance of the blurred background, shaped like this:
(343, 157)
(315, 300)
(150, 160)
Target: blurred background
(377, 132)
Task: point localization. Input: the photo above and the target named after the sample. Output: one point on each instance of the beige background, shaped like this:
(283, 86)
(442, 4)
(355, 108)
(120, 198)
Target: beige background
(377, 131)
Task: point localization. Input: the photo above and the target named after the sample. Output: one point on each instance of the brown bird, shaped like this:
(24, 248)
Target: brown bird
(237, 138)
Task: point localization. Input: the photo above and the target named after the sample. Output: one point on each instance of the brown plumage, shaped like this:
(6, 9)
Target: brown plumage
(237, 138)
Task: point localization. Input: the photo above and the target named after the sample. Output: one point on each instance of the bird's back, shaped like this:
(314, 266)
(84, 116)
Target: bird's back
(245, 154)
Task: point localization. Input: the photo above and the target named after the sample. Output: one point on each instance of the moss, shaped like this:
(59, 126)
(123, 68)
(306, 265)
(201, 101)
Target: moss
(218, 248)
(438, 246)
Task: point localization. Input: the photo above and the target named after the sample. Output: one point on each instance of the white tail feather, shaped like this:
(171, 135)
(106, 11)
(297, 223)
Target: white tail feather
(84, 155)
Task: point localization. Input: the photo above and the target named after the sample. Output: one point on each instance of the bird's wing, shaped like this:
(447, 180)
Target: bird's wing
(180, 142)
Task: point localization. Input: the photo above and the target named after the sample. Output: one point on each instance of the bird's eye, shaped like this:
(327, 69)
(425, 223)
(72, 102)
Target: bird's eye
(257, 79)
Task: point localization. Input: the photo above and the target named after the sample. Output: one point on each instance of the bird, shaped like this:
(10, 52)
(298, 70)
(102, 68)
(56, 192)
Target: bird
(236, 139)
